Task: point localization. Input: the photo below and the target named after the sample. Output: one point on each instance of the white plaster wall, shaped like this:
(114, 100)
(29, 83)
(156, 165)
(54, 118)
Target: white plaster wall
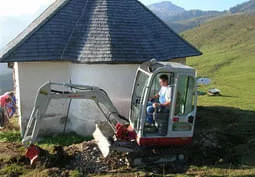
(116, 80)
(29, 76)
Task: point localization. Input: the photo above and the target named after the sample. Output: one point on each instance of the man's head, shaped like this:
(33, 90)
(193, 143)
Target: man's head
(163, 80)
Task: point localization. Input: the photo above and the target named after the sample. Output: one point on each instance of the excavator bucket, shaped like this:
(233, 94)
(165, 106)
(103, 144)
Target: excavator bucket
(33, 153)
(103, 136)
(119, 138)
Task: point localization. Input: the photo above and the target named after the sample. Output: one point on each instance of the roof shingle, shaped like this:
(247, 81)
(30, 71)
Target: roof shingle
(97, 31)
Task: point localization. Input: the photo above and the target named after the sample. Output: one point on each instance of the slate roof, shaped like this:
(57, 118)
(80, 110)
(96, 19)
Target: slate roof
(97, 31)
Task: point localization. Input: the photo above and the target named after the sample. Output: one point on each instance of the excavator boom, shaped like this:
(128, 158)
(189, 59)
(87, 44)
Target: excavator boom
(47, 92)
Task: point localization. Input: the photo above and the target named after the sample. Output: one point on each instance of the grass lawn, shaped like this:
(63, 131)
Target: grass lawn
(228, 46)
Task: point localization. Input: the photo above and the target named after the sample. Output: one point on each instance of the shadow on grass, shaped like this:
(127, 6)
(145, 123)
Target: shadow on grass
(227, 120)
(228, 96)
(223, 136)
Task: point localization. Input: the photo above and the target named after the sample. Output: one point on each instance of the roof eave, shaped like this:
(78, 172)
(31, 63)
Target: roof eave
(74, 60)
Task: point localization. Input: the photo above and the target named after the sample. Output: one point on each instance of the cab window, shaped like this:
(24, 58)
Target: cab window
(138, 96)
(185, 95)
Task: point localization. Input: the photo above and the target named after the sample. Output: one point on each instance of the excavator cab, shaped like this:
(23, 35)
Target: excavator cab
(174, 124)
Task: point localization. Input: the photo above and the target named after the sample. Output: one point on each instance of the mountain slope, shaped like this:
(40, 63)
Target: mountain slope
(178, 18)
(228, 45)
(248, 7)
(190, 22)
(181, 20)
(166, 9)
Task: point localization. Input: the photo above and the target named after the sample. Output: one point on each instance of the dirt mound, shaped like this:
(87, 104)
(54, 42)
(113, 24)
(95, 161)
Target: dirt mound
(84, 157)
(10, 149)
(12, 159)
(88, 159)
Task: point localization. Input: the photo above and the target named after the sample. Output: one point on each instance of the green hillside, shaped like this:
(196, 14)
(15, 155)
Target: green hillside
(190, 23)
(228, 45)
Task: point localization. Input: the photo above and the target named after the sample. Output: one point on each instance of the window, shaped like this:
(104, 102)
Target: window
(138, 96)
(185, 95)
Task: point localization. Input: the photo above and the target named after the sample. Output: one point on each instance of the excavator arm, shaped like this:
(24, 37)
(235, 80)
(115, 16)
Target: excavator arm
(48, 92)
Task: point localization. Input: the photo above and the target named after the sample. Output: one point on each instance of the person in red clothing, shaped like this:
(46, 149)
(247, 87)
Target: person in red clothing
(4, 100)
(11, 106)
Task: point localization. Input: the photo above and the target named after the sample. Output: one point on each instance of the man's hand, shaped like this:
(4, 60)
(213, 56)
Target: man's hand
(154, 97)
(155, 105)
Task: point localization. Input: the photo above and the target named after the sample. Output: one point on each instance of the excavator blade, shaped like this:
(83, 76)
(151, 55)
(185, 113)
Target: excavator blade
(103, 136)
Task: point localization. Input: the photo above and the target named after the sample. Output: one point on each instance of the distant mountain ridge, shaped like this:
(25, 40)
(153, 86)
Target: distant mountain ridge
(166, 9)
(178, 18)
(194, 14)
(181, 20)
(247, 7)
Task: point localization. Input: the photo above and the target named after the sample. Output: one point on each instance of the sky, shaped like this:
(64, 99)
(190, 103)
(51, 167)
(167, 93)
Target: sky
(201, 4)
(21, 7)
(27, 7)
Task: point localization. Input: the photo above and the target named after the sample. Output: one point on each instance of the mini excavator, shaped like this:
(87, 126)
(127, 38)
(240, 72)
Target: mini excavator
(144, 142)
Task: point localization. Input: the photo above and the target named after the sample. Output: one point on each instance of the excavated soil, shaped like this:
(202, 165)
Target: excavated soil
(88, 159)
(84, 157)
